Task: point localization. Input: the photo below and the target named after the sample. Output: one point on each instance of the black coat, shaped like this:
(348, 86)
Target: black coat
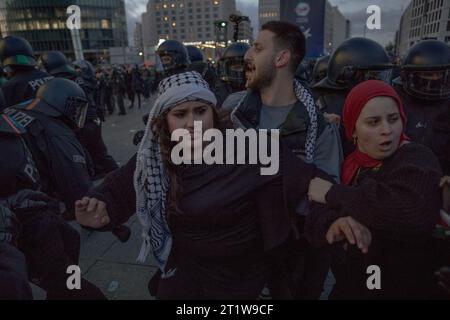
(13, 274)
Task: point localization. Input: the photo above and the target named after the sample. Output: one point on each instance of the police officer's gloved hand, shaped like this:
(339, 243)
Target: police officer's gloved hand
(26, 202)
(9, 226)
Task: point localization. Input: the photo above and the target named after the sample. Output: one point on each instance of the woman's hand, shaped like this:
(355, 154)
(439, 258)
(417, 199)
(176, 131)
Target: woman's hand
(91, 213)
(318, 189)
(445, 185)
(352, 231)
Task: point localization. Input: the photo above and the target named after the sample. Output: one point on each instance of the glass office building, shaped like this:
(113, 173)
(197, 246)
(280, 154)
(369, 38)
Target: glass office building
(43, 24)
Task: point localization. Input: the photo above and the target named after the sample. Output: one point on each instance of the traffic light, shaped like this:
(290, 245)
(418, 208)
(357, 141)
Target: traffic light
(222, 31)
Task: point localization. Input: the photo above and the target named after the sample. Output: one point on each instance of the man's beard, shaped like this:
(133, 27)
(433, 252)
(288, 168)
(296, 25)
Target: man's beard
(266, 75)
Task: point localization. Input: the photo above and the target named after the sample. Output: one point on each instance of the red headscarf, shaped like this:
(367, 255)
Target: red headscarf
(354, 104)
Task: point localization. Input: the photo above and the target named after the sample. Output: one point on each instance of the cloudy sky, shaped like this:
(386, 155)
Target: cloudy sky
(354, 10)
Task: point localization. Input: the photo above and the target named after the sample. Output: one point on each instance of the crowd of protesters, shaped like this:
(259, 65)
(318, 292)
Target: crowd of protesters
(363, 180)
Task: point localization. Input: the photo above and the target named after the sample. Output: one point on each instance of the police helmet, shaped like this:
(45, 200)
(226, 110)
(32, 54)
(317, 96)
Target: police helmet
(86, 68)
(176, 52)
(232, 64)
(195, 54)
(63, 97)
(354, 61)
(16, 51)
(425, 72)
(55, 62)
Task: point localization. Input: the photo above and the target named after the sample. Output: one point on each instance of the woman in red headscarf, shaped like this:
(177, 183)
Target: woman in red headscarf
(388, 204)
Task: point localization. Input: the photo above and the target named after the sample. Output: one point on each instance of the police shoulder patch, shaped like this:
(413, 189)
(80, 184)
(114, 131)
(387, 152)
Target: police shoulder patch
(19, 117)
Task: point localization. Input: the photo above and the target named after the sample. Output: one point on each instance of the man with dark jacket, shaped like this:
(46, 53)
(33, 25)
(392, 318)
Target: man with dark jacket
(277, 101)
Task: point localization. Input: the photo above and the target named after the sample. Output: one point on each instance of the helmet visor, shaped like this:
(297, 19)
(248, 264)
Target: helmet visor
(352, 76)
(76, 110)
(233, 70)
(433, 84)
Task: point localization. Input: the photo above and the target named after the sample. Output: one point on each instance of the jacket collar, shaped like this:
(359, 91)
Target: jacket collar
(249, 114)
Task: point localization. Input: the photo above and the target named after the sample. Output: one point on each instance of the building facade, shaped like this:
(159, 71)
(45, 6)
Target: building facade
(336, 26)
(137, 37)
(269, 10)
(423, 19)
(245, 30)
(43, 24)
(185, 20)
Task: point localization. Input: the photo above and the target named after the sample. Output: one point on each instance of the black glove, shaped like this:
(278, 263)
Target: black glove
(25, 202)
(9, 226)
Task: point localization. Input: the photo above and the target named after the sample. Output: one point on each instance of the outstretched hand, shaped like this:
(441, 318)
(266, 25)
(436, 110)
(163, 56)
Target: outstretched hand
(350, 230)
(91, 213)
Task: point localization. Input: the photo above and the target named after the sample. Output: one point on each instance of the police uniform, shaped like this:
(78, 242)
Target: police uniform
(24, 86)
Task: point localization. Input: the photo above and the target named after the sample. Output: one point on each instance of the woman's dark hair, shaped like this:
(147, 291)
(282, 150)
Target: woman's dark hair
(288, 36)
(160, 126)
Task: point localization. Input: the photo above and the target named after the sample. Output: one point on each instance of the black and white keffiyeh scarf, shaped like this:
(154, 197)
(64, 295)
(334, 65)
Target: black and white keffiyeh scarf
(305, 97)
(151, 182)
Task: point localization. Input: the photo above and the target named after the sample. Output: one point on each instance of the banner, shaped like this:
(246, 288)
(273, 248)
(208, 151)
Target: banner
(309, 15)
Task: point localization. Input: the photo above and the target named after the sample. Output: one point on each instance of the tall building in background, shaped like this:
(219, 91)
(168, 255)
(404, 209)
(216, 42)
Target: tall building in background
(269, 10)
(423, 19)
(185, 20)
(189, 21)
(333, 27)
(137, 37)
(43, 24)
(245, 30)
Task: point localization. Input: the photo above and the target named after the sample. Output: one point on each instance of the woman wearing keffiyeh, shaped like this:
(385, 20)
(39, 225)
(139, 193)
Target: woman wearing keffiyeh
(209, 227)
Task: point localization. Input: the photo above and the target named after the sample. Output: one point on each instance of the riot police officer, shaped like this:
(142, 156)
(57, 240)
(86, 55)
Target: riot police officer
(19, 63)
(231, 88)
(119, 86)
(49, 244)
(424, 86)
(203, 68)
(50, 121)
(56, 64)
(174, 57)
(90, 135)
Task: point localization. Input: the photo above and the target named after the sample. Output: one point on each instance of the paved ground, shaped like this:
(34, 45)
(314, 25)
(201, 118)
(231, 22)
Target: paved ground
(105, 261)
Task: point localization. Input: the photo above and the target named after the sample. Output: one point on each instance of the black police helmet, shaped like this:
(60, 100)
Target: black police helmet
(177, 51)
(357, 60)
(16, 51)
(320, 69)
(195, 54)
(425, 72)
(87, 69)
(232, 64)
(55, 62)
(63, 97)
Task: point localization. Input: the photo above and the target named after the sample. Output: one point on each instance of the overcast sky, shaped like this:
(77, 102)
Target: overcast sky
(354, 10)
